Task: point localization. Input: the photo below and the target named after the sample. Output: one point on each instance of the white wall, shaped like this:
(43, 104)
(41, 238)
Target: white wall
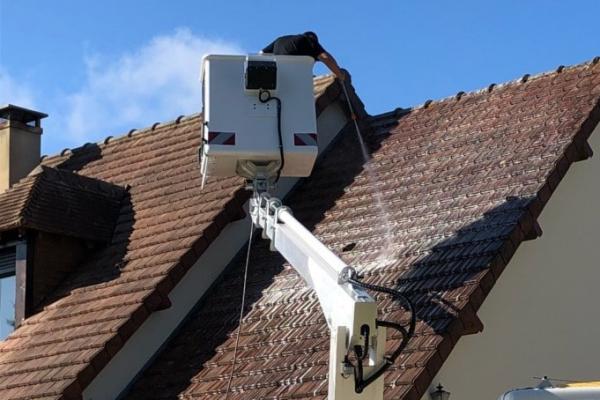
(542, 317)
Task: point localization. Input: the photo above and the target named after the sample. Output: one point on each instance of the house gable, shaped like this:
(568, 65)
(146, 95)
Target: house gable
(541, 317)
(123, 368)
(164, 225)
(462, 182)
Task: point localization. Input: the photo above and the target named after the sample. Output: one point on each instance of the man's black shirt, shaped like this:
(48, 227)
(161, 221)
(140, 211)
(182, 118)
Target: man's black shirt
(295, 45)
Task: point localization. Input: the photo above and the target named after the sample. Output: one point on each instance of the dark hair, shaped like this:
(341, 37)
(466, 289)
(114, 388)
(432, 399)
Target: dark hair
(311, 35)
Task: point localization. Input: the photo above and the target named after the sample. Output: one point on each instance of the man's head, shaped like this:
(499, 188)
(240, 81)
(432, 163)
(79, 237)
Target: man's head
(311, 35)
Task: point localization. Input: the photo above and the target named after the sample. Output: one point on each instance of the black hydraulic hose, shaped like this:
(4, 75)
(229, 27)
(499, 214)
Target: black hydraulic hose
(278, 100)
(360, 382)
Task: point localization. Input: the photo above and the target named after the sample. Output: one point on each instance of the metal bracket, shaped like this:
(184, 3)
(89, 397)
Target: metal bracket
(259, 185)
(346, 274)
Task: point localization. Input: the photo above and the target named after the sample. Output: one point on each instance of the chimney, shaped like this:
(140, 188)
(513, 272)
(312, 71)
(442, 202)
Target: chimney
(20, 140)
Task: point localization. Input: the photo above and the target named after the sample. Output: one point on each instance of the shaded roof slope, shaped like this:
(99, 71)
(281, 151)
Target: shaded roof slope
(164, 224)
(62, 202)
(451, 190)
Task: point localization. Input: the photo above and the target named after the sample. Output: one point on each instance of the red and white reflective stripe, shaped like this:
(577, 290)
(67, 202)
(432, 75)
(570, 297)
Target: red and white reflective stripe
(224, 138)
(305, 139)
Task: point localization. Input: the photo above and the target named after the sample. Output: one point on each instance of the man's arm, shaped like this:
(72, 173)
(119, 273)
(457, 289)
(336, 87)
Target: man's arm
(330, 62)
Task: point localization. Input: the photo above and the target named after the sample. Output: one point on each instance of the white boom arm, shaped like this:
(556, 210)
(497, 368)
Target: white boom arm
(350, 312)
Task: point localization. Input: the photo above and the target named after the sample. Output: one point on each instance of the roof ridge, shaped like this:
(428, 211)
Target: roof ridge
(461, 94)
(33, 193)
(112, 139)
(318, 79)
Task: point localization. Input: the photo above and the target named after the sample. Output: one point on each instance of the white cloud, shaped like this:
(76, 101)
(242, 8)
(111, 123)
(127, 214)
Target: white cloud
(157, 82)
(13, 92)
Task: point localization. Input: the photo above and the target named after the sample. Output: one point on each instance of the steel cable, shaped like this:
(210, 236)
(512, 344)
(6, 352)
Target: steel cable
(237, 340)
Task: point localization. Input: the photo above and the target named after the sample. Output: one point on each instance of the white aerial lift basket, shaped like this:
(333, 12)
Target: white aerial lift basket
(240, 132)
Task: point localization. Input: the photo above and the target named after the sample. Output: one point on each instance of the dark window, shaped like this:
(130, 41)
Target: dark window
(7, 291)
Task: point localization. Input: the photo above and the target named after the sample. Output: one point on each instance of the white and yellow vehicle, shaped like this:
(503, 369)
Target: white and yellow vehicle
(548, 391)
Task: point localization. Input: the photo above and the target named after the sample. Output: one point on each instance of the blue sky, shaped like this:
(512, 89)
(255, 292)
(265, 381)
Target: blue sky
(100, 68)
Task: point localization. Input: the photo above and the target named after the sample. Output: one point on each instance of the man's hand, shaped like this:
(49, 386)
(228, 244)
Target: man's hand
(328, 60)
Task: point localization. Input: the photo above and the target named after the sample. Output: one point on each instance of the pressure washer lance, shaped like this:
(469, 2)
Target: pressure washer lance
(406, 331)
(352, 114)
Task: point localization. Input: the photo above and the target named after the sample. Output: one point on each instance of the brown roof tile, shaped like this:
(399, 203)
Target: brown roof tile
(163, 226)
(59, 201)
(460, 181)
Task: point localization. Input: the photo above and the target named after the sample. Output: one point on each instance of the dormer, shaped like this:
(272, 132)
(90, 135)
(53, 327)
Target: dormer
(49, 222)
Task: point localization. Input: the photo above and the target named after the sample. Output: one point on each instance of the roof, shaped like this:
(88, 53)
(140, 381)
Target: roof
(58, 201)
(164, 224)
(451, 190)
